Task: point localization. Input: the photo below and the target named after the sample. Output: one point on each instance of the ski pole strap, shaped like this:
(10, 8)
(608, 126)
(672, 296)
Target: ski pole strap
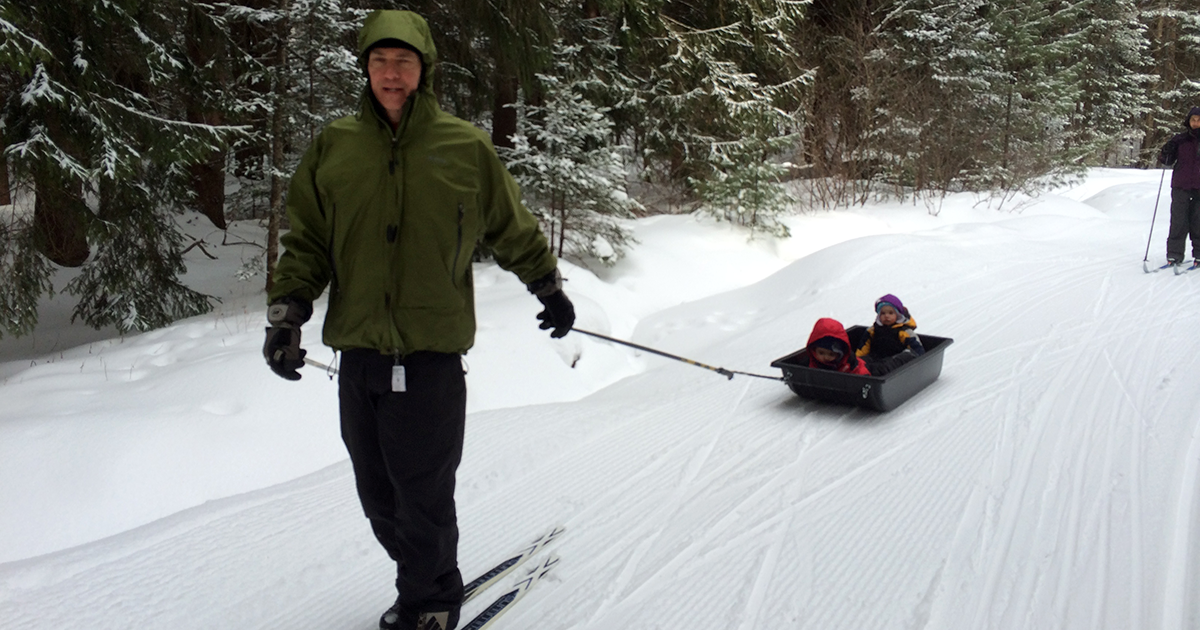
(329, 369)
(719, 370)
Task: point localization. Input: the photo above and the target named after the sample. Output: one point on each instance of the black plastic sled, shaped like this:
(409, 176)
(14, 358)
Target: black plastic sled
(881, 393)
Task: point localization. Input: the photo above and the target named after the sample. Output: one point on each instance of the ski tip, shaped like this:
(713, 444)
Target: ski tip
(551, 561)
(538, 573)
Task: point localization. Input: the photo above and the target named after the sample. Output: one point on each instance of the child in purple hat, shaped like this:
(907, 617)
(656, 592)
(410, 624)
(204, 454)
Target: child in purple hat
(893, 332)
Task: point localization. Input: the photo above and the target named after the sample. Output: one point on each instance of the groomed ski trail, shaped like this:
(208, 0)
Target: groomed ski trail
(1046, 480)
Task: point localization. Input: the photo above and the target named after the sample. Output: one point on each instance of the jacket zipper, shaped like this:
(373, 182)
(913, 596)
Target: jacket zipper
(333, 278)
(394, 237)
(458, 246)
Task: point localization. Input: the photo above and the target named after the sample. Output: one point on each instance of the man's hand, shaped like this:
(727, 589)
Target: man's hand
(282, 346)
(559, 313)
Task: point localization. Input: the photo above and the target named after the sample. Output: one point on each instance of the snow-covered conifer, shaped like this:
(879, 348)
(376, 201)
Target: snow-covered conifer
(1173, 28)
(571, 172)
(92, 135)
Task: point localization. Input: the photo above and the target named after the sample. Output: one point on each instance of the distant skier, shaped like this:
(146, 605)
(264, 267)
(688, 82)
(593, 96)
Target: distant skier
(1183, 151)
(829, 349)
(892, 333)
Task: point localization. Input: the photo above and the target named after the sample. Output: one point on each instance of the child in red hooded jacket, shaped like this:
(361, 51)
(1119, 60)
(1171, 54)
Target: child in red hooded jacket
(829, 349)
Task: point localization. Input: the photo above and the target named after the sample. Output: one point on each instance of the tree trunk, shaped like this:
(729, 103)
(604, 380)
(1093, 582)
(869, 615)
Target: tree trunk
(504, 117)
(277, 145)
(251, 157)
(59, 219)
(1162, 51)
(60, 213)
(5, 191)
(208, 176)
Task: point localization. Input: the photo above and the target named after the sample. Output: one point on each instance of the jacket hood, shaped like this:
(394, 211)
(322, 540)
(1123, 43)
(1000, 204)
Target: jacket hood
(405, 26)
(1195, 111)
(827, 327)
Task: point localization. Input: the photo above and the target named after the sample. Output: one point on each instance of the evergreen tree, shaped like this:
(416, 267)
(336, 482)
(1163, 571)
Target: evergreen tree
(570, 170)
(1106, 55)
(1031, 101)
(745, 186)
(296, 70)
(835, 37)
(91, 126)
(1173, 27)
(722, 87)
(970, 94)
(923, 92)
(490, 50)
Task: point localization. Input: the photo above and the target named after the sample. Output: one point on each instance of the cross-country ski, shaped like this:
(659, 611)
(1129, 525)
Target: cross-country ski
(509, 598)
(509, 564)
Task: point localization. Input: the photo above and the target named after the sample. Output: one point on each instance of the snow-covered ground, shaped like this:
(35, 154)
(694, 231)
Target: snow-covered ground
(1049, 479)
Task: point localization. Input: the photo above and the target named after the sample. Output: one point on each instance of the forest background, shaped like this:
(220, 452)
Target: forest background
(120, 115)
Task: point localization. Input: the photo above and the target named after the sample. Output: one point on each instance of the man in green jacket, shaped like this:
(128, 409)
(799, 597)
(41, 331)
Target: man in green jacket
(386, 208)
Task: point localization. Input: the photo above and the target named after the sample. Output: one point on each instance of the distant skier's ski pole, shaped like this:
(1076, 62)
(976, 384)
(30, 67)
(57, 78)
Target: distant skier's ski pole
(719, 370)
(1146, 258)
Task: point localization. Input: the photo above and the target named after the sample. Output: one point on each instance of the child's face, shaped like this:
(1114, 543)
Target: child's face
(887, 316)
(824, 355)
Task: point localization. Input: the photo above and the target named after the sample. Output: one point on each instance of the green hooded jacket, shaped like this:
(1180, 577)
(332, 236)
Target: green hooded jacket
(389, 220)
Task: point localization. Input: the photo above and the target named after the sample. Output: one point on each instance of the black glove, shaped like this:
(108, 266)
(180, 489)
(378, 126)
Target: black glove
(282, 346)
(1170, 152)
(559, 313)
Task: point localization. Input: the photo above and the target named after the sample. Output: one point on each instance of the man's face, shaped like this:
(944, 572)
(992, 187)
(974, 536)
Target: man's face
(395, 73)
(1194, 121)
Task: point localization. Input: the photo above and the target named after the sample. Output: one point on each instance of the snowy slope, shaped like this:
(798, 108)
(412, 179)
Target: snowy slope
(1049, 479)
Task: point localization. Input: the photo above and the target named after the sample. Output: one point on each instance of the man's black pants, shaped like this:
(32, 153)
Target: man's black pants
(1185, 222)
(405, 448)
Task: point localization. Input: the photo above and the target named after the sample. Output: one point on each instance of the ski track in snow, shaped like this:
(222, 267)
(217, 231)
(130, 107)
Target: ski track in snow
(1049, 479)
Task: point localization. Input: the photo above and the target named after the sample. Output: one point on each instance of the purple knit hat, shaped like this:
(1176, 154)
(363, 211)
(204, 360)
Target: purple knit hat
(892, 301)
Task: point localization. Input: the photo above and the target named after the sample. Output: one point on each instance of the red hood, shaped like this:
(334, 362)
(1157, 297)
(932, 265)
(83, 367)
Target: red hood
(829, 327)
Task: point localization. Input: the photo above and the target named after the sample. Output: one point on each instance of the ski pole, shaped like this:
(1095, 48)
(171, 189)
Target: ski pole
(719, 370)
(1146, 258)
